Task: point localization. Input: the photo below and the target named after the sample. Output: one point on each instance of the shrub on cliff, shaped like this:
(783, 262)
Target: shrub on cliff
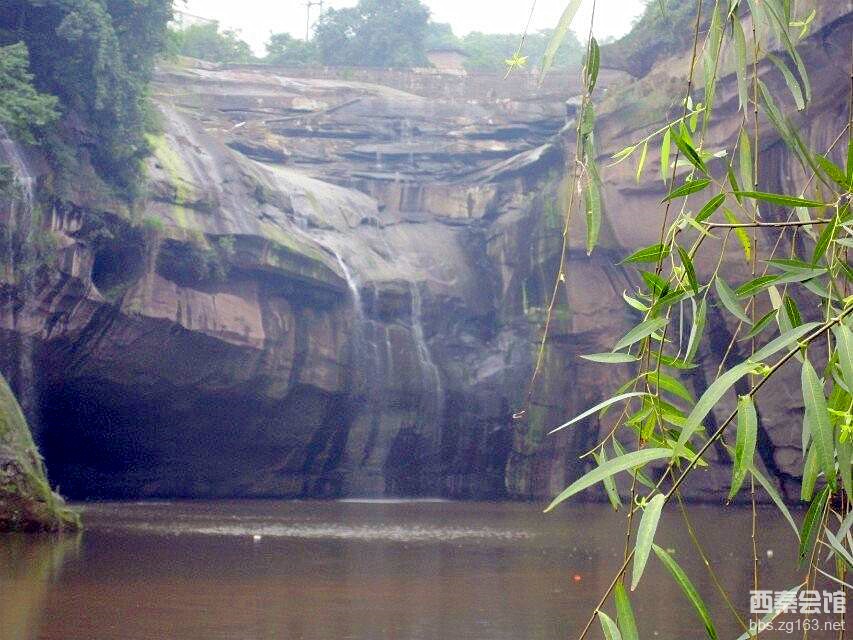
(23, 109)
(207, 42)
(97, 57)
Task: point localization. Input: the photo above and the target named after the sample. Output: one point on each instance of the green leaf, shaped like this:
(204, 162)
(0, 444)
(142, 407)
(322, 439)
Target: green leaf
(811, 468)
(625, 614)
(688, 589)
(781, 200)
(652, 253)
(696, 331)
(730, 174)
(642, 330)
(711, 397)
(609, 484)
(747, 438)
(741, 235)
(740, 61)
(593, 213)
(817, 415)
(786, 339)
(755, 285)
(729, 300)
(667, 383)
(745, 161)
(844, 348)
(611, 632)
(845, 465)
(559, 35)
(682, 142)
(691, 186)
(599, 407)
(593, 64)
(642, 161)
(646, 537)
(812, 522)
(836, 545)
(708, 210)
(610, 358)
(833, 171)
(824, 240)
(622, 463)
(792, 311)
(760, 325)
(689, 269)
(775, 497)
(665, 146)
(790, 80)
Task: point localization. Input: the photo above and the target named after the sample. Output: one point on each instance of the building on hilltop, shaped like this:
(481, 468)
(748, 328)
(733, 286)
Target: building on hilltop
(447, 59)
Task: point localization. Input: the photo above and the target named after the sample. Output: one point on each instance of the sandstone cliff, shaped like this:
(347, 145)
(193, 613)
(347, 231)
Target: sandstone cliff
(335, 286)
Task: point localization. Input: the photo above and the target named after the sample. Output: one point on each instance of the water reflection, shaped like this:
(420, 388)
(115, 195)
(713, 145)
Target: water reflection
(28, 567)
(358, 570)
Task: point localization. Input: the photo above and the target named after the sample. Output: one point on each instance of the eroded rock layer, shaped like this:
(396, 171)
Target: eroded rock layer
(335, 287)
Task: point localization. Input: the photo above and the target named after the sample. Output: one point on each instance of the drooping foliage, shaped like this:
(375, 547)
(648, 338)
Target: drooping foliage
(770, 252)
(208, 42)
(97, 57)
(23, 109)
(374, 33)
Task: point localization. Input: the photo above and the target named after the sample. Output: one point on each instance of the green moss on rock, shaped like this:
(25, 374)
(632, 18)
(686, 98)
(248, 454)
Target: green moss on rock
(26, 500)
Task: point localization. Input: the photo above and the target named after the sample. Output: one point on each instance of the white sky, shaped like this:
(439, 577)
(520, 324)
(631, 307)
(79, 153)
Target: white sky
(256, 19)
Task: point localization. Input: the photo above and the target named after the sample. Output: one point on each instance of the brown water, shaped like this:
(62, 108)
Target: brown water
(361, 571)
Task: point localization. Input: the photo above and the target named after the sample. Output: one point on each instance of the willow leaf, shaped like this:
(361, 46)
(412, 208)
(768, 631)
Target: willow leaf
(711, 397)
(740, 59)
(592, 65)
(599, 407)
(625, 619)
(790, 80)
(559, 35)
(697, 330)
(688, 589)
(689, 187)
(611, 631)
(646, 537)
(642, 330)
(708, 210)
(817, 414)
(755, 285)
(682, 141)
(665, 147)
(775, 497)
(612, 467)
(745, 166)
(609, 483)
(845, 466)
(786, 339)
(729, 300)
(811, 469)
(844, 347)
(760, 325)
(689, 269)
(593, 213)
(833, 171)
(741, 235)
(782, 200)
(610, 358)
(747, 438)
(811, 523)
(642, 162)
(652, 253)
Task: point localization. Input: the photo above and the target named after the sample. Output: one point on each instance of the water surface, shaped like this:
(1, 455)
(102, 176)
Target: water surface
(361, 570)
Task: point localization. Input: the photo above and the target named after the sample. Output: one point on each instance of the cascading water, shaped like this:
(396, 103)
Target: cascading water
(18, 225)
(433, 404)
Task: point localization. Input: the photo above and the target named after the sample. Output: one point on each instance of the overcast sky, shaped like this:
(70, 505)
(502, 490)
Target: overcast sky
(255, 19)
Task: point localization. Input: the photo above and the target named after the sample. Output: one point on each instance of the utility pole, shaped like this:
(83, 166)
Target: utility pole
(308, 5)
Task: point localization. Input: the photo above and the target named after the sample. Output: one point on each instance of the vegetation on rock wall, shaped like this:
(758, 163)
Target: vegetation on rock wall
(24, 111)
(26, 501)
(97, 57)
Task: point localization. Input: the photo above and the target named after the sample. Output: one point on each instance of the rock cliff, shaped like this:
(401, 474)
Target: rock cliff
(336, 287)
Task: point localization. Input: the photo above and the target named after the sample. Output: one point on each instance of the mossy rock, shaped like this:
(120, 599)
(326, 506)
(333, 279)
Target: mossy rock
(26, 500)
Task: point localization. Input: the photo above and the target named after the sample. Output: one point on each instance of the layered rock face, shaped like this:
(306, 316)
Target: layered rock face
(336, 287)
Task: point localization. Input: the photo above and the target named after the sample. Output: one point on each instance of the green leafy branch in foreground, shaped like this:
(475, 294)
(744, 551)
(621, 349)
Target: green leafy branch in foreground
(798, 305)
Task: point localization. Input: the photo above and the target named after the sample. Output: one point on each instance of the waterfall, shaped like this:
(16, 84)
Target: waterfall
(429, 370)
(18, 230)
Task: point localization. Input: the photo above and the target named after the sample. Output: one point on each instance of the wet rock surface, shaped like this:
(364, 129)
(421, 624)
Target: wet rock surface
(335, 288)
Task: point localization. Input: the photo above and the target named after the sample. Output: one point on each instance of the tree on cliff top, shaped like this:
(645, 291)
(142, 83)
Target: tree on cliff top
(374, 33)
(285, 50)
(207, 42)
(23, 109)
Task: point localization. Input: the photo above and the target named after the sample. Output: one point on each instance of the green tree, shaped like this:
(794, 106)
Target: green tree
(488, 51)
(374, 33)
(97, 57)
(285, 50)
(23, 109)
(207, 42)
